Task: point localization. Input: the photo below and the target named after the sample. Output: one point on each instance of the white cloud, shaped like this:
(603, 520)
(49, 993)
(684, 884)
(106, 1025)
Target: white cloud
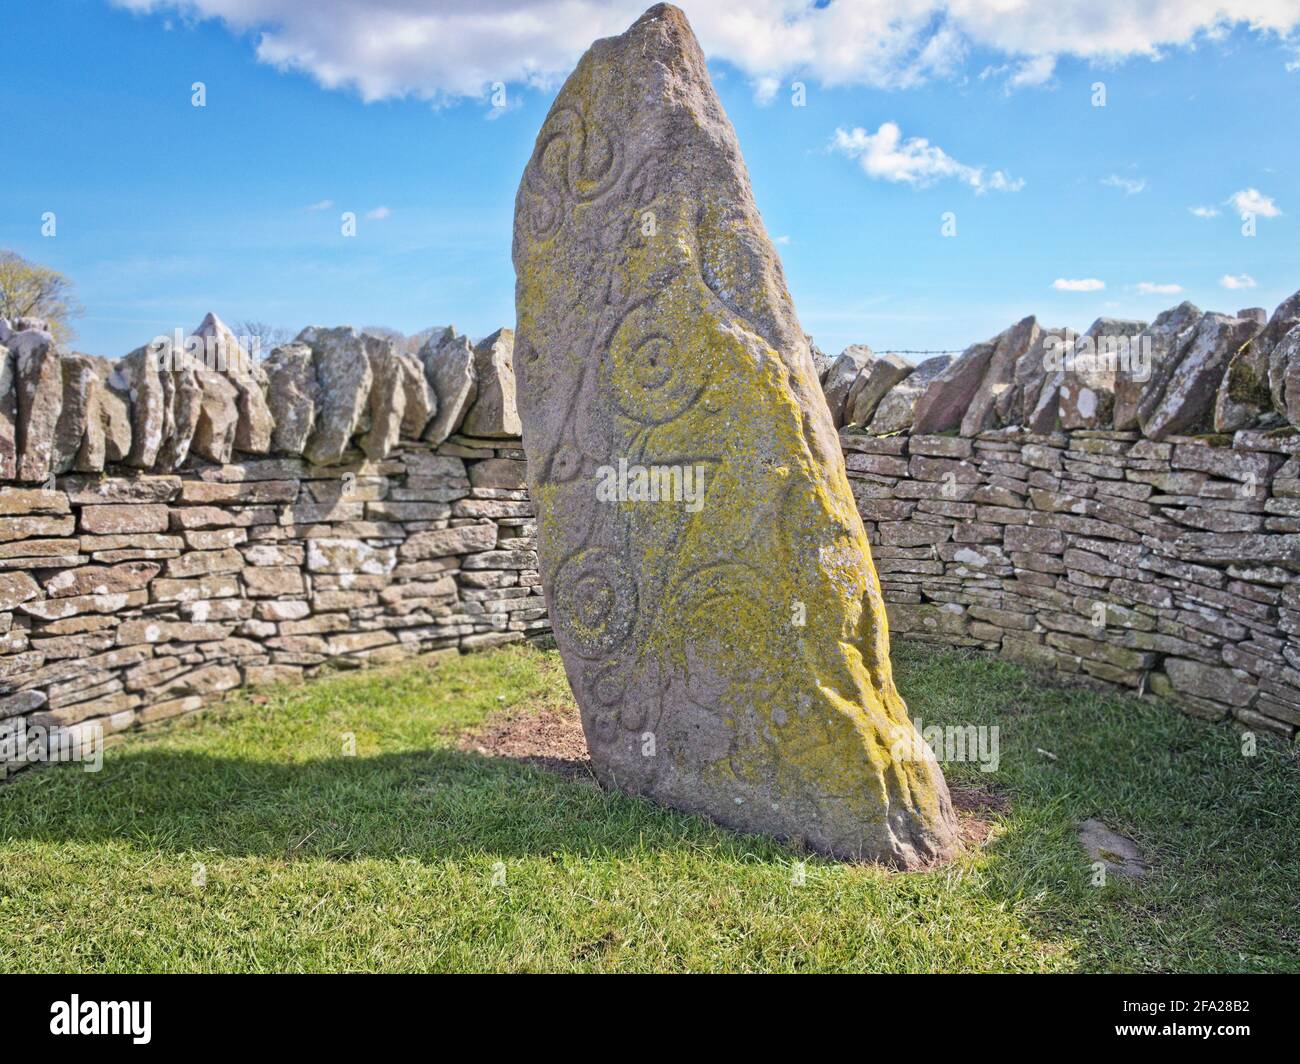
(1252, 201)
(886, 156)
(1085, 284)
(320, 205)
(1035, 71)
(1149, 288)
(456, 48)
(765, 89)
(1205, 212)
(1131, 185)
(1235, 281)
(780, 240)
(378, 214)
(1028, 73)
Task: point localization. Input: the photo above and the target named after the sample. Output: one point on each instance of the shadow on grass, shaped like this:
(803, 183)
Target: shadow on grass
(429, 805)
(1217, 827)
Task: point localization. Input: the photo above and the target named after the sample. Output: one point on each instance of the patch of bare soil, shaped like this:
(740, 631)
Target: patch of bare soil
(551, 738)
(548, 738)
(973, 805)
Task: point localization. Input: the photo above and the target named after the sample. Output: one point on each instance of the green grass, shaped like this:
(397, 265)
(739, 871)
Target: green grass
(385, 860)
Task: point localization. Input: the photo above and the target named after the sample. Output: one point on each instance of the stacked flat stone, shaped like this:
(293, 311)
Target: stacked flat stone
(1209, 372)
(1167, 567)
(329, 390)
(171, 529)
(130, 598)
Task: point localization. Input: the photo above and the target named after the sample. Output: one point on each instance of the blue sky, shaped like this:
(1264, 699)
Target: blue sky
(165, 210)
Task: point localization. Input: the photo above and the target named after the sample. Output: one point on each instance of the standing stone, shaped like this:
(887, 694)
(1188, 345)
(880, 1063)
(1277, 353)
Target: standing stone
(136, 376)
(821, 360)
(448, 362)
(872, 385)
(387, 407)
(342, 391)
(894, 414)
(421, 403)
(79, 384)
(1028, 378)
(1284, 319)
(495, 412)
(1244, 396)
(8, 409)
(1288, 352)
(1161, 345)
(999, 379)
(110, 427)
(840, 378)
(214, 435)
(40, 401)
(728, 645)
(254, 425)
(1099, 358)
(944, 403)
(291, 397)
(182, 396)
(1187, 404)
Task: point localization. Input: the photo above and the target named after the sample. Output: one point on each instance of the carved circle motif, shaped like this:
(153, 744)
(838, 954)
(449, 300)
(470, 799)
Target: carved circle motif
(587, 163)
(653, 385)
(594, 601)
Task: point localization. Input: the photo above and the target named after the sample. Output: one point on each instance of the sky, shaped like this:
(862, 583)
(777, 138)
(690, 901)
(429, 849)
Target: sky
(930, 172)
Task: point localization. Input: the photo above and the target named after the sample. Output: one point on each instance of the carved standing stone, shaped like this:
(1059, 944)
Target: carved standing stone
(728, 646)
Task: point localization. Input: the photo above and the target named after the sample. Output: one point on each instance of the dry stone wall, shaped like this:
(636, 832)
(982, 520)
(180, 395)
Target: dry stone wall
(170, 531)
(133, 597)
(1165, 567)
(1122, 505)
(187, 520)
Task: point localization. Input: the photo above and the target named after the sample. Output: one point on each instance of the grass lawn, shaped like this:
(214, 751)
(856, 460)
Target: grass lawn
(244, 840)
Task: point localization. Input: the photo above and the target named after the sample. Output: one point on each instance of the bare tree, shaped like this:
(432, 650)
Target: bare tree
(29, 290)
(385, 333)
(263, 338)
